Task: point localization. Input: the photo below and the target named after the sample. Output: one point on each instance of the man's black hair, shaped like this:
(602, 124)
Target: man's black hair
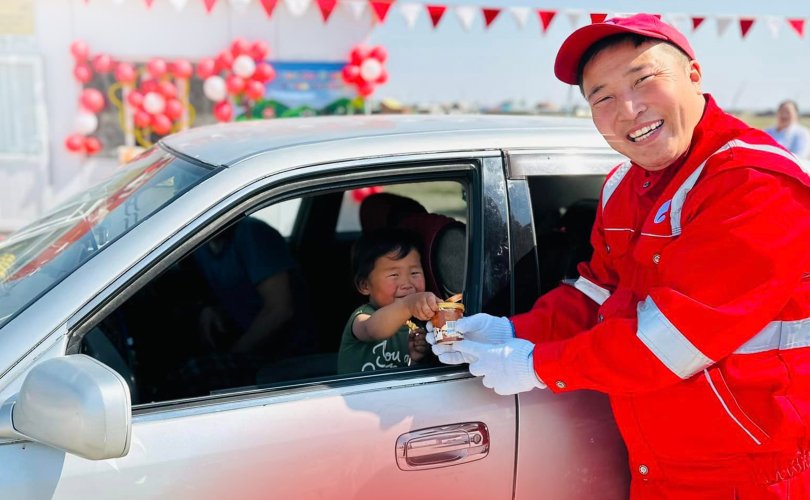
(610, 41)
(789, 102)
(375, 244)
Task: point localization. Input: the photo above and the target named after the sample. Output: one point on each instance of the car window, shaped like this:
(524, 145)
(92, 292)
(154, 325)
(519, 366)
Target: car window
(253, 307)
(38, 256)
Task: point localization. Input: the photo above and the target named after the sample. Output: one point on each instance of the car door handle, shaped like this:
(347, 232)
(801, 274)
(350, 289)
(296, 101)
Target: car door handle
(442, 446)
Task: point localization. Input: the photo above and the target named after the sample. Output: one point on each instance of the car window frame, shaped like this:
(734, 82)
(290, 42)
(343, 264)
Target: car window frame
(462, 167)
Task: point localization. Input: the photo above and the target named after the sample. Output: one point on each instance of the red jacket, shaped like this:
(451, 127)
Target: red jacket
(694, 312)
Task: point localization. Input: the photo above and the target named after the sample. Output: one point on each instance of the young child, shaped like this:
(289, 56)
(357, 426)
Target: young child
(387, 269)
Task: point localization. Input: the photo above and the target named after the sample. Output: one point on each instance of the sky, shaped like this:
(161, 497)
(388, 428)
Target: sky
(506, 62)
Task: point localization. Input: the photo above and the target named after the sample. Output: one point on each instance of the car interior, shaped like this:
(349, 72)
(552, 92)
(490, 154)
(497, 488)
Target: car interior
(154, 337)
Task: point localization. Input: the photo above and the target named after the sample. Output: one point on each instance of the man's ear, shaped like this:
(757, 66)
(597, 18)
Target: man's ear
(695, 74)
(363, 288)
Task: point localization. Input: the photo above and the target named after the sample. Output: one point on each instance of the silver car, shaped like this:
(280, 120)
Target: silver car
(114, 383)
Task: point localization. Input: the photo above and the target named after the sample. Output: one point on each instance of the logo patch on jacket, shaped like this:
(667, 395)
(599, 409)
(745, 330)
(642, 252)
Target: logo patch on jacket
(661, 215)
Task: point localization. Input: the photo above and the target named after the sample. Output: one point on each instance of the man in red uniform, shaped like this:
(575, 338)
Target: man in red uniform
(694, 312)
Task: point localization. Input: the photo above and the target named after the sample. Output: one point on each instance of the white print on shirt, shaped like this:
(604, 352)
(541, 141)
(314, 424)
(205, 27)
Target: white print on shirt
(384, 358)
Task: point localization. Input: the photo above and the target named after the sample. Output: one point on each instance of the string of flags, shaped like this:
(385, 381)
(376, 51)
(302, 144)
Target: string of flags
(467, 14)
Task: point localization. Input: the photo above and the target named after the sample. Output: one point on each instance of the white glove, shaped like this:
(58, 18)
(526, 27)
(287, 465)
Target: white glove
(479, 328)
(508, 367)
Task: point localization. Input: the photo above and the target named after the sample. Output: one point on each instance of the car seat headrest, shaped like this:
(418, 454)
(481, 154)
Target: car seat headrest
(386, 210)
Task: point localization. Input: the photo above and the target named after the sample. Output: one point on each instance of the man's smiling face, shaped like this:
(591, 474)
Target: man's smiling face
(645, 100)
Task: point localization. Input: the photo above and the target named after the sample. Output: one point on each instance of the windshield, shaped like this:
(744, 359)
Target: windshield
(38, 256)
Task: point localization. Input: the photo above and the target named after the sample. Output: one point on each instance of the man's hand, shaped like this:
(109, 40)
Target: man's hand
(508, 367)
(479, 328)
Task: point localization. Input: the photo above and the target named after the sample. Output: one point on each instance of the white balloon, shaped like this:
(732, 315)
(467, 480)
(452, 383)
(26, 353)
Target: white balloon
(371, 69)
(154, 103)
(243, 66)
(86, 123)
(214, 88)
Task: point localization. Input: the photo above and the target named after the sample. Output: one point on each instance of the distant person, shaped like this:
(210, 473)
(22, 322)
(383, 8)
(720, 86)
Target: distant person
(788, 132)
(380, 334)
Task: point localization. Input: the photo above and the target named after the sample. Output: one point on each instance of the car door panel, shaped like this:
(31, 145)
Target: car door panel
(326, 444)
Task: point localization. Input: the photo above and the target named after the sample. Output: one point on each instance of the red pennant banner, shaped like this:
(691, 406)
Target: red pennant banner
(598, 17)
(436, 12)
(380, 9)
(269, 6)
(697, 21)
(148, 3)
(546, 16)
(326, 7)
(798, 26)
(209, 5)
(745, 25)
(490, 15)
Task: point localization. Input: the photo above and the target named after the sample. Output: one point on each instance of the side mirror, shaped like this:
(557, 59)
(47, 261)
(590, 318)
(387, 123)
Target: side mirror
(74, 403)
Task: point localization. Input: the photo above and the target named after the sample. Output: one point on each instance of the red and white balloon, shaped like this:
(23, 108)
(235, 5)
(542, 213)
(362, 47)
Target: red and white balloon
(366, 69)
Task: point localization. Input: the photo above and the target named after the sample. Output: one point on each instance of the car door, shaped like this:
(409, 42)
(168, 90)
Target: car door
(408, 433)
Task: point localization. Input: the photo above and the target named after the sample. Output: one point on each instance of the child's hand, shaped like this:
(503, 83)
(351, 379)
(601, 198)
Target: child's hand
(417, 345)
(422, 305)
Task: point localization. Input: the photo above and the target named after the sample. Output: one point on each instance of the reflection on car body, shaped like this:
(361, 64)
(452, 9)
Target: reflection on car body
(108, 282)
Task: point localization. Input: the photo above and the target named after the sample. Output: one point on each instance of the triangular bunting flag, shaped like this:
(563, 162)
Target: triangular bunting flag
(297, 7)
(573, 16)
(774, 25)
(269, 6)
(326, 7)
(410, 11)
(797, 25)
(358, 8)
(745, 25)
(148, 3)
(380, 9)
(490, 15)
(723, 23)
(696, 22)
(678, 21)
(546, 16)
(466, 16)
(435, 12)
(520, 14)
(209, 5)
(598, 17)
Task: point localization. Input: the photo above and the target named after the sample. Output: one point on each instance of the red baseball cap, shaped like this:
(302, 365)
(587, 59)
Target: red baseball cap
(578, 42)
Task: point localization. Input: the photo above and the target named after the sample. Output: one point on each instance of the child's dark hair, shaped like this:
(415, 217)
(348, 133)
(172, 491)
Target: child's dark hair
(375, 244)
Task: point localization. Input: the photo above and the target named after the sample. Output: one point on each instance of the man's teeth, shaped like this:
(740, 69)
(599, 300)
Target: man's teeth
(643, 133)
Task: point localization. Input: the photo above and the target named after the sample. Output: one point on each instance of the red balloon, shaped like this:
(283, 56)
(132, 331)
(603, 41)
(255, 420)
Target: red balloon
(239, 46)
(161, 124)
(167, 89)
(83, 73)
(365, 89)
(259, 50)
(149, 86)
(224, 61)
(135, 99)
(156, 67)
(142, 119)
(376, 189)
(358, 54)
(223, 111)
(382, 78)
(351, 73)
(125, 73)
(264, 73)
(182, 69)
(74, 143)
(235, 84)
(80, 50)
(91, 145)
(174, 109)
(361, 194)
(206, 67)
(254, 89)
(102, 63)
(92, 100)
(379, 53)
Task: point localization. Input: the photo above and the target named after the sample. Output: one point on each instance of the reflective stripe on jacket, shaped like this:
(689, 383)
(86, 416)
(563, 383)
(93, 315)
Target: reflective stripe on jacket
(694, 312)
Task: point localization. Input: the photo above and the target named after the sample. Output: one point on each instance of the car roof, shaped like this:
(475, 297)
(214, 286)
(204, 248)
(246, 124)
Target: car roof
(359, 136)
